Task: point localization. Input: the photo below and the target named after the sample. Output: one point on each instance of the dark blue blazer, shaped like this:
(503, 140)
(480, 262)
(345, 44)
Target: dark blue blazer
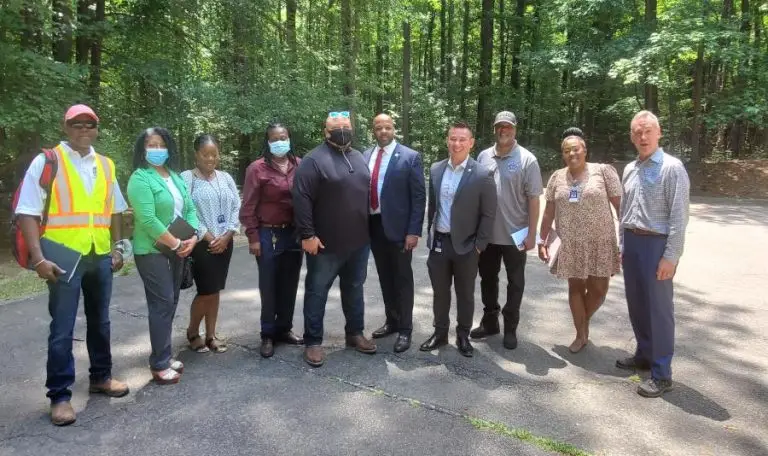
(403, 196)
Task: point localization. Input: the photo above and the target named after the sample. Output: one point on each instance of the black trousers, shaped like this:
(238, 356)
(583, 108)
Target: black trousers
(490, 266)
(393, 264)
(445, 267)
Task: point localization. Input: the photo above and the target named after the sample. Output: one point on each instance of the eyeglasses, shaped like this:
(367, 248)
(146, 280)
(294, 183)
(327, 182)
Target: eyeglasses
(336, 114)
(83, 124)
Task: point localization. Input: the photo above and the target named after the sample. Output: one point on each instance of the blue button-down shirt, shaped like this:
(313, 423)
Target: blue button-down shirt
(655, 198)
(451, 178)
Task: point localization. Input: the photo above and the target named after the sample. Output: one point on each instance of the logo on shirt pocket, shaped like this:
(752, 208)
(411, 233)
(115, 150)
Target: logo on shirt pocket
(514, 166)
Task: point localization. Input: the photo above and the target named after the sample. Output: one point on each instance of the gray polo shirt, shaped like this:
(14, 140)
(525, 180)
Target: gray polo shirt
(518, 178)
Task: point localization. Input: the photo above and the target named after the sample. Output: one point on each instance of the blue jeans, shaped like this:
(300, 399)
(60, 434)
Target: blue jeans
(94, 277)
(651, 310)
(279, 272)
(322, 269)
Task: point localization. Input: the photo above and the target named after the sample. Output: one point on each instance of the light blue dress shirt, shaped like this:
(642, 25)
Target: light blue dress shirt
(451, 178)
(388, 150)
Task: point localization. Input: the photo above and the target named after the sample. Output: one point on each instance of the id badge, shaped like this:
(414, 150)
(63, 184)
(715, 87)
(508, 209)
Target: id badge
(437, 246)
(573, 196)
(222, 220)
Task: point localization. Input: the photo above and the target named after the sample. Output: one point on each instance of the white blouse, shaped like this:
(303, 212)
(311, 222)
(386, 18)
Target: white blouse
(217, 202)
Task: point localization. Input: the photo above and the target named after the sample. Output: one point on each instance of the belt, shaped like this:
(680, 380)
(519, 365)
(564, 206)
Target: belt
(284, 225)
(440, 234)
(641, 232)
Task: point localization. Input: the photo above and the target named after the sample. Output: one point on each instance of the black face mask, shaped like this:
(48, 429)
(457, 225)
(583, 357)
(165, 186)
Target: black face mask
(341, 137)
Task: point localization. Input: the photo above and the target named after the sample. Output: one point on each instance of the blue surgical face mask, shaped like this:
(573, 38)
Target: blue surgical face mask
(157, 157)
(280, 148)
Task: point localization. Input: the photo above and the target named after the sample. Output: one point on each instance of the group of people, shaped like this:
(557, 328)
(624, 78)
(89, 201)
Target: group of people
(334, 207)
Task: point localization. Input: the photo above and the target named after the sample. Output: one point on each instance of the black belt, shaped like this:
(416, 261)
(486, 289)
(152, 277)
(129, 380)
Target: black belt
(641, 232)
(440, 234)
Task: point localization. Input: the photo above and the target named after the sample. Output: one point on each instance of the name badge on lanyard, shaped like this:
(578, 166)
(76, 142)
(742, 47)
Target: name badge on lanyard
(573, 196)
(221, 220)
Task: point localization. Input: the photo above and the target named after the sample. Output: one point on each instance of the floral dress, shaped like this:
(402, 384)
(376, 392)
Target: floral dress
(585, 224)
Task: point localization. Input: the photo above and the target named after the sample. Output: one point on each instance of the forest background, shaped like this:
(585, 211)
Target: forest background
(229, 67)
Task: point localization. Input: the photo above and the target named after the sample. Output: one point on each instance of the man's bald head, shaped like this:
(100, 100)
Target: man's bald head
(383, 129)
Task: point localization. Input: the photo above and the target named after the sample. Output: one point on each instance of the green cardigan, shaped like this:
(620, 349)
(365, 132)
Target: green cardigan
(152, 205)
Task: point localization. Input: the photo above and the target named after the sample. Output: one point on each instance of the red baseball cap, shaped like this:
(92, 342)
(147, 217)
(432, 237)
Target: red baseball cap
(78, 110)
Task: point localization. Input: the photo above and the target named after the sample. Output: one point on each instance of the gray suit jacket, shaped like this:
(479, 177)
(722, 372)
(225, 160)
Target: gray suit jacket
(473, 209)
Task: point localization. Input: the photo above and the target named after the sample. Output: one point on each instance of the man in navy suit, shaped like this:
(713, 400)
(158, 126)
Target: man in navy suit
(397, 201)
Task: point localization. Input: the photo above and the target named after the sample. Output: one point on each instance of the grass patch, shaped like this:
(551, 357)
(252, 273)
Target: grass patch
(525, 436)
(20, 284)
(634, 378)
(127, 269)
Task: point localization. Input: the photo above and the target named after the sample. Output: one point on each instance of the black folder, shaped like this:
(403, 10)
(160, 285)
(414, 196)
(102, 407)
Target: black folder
(180, 229)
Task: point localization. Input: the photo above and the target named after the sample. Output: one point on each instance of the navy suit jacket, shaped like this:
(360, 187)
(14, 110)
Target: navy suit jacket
(403, 195)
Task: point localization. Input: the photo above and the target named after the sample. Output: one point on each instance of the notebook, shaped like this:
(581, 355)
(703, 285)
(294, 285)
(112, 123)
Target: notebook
(64, 257)
(180, 229)
(553, 244)
(519, 238)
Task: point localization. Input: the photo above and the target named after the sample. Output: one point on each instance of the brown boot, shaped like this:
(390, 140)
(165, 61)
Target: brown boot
(62, 414)
(314, 355)
(361, 344)
(111, 388)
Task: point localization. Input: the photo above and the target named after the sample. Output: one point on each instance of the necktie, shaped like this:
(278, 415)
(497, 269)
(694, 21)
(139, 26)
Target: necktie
(375, 181)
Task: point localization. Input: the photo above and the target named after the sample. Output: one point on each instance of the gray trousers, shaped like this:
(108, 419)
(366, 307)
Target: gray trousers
(445, 267)
(162, 283)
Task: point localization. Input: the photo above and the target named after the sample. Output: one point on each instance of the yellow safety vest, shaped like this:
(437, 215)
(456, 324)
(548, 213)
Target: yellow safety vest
(76, 218)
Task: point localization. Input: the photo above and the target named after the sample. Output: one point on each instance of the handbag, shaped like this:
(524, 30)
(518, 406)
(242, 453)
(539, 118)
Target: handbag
(187, 277)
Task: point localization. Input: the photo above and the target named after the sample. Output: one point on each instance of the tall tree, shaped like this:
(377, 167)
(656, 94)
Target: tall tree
(486, 59)
(464, 61)
(651, 91)
(62, 33)
(405, 126)
(347, 51)
(517, 42)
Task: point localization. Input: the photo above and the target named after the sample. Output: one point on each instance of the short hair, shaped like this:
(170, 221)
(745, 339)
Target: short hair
(645, 114)
(203, 140)
(461, 125)
(140, 150)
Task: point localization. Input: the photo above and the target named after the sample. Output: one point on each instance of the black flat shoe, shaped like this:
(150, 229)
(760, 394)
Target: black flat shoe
(290, 338)
(465, 348)
(384, 331)
(403, 343)
(434, 342)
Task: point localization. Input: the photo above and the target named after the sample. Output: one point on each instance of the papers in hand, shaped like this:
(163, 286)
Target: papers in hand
(519, 238)
(553, 246)
(64, 257)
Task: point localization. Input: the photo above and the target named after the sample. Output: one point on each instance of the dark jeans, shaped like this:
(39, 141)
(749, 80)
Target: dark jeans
(322, 269)
(489, 267)
(393, 265)
(445, 267)
(651, 310)
(162, 281)
(94, 277)
(279, 271)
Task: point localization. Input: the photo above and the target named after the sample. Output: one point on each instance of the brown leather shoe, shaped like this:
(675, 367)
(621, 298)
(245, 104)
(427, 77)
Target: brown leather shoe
(361, 344)
(62, 414)
(314, 355)
(111, 388)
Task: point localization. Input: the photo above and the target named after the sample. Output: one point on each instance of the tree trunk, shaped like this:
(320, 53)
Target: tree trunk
(738, 130)
(443, 8)
(429, 65)
(31, 38)
(381, 39)
(464, 61)
(484, 81)
(502, 45)
(449, 45)
(347, 51)
(95, 69)
(83, 40)
(62, 23)
(405, 127)
(290, 29)
(651, 91)
(517, 43)
(698, 85)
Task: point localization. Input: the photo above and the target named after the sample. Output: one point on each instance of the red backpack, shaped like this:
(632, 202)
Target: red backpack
(18, 244)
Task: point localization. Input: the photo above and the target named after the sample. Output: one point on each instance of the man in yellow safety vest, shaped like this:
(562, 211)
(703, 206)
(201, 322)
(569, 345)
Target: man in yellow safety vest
(85, 216)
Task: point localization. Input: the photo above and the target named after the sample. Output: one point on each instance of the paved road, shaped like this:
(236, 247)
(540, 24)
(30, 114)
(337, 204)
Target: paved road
(419, 403)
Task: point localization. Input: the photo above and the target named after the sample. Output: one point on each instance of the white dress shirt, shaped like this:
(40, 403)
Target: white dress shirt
(388, 151)
(32, 196)
(448, 186)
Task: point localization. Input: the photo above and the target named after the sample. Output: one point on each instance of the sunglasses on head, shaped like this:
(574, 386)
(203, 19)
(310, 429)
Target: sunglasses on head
(336, 114)
(83, 124)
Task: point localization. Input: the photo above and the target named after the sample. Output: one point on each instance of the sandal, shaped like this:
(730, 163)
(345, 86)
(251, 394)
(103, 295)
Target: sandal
(166, 377)
(215, 346)
(199, 346)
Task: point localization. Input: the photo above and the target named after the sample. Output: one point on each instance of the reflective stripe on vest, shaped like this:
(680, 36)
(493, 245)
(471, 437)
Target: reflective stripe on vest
(82, 223)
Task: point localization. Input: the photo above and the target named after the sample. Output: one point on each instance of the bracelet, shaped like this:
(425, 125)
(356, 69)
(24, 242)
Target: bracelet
(177, 246)
(34, 266)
